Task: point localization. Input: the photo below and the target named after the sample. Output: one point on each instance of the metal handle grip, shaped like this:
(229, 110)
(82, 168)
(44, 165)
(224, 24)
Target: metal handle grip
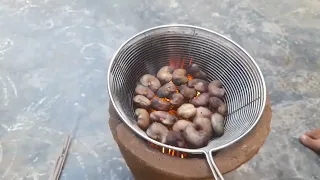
(214, 169)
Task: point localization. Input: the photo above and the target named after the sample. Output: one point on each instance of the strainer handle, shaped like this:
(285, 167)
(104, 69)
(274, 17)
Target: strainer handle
(214, 169)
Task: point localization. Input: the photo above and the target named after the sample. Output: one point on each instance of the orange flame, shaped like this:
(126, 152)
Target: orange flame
(171, 63)
(178, 63)
(174, 112)
(165, 99)
(182, 64)
(170, 152)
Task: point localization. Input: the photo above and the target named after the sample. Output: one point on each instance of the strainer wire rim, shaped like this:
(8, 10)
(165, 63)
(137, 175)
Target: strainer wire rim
(205, 149)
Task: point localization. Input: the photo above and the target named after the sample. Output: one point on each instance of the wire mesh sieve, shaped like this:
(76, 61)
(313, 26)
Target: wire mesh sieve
(218, 56)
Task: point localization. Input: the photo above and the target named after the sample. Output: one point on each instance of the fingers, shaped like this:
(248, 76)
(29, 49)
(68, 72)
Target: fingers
(311, 143)
(314, 134)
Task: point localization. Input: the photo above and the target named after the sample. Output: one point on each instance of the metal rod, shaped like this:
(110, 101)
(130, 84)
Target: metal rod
(54, 169)
(66, 149)
(61, 159)
(54, 177)
(66, 143)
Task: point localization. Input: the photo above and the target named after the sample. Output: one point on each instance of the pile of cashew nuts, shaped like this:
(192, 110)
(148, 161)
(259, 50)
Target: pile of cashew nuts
(180, 111)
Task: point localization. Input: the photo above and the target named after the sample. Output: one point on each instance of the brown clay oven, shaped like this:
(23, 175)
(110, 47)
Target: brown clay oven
(147, 162)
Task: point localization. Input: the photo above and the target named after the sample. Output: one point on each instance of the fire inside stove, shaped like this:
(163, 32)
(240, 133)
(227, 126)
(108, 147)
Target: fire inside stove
(175, 103)
(169, 152)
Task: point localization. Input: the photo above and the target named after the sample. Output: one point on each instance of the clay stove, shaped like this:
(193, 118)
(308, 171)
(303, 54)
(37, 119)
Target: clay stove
(147, 161)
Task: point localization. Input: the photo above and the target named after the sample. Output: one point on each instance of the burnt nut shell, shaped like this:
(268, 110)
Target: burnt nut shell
(203, 112)
(158, 132)
(199, 133)
(199, 85)
(145, 91)
(165, 74)
(166, 90)
(200, 75)
(201, 100)
(186, 111)
(180, 125)
(216, 83)
(217, 122)
(216, 91)
(163, 117)
(143, 118)
(176, 99)
(142, 101)
(216, 105)
(194, 82)
(175, 139)
(204, 124)
(150, 81)
(192, 69)
(187, 92)
(160, 104)
(179, 77)
(223, 110)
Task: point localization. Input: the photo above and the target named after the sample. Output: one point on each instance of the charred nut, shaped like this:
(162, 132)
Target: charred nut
(160, 104)
(186, 111)
(216, 83)
(203, 112)
(157, 132)
(187, 92)
(145, 91)
(199, 85)
(180, 125)
(175, 139)
(195, 71)
(201, 100)
(163, 117)
(215, 89)
(216, 105)
(165, 74)
(142, 101)
(150, 81)
(179, 77)
(192, 68)
(143, 119)
(176, 99)
(199, 133)
(200, 75)
(217, 122)
(166, 90)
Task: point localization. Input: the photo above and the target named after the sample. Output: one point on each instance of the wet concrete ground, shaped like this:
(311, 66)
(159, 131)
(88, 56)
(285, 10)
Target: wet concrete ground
(53, 60)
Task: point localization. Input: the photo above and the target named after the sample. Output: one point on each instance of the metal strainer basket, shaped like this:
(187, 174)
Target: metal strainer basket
(218, 56)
